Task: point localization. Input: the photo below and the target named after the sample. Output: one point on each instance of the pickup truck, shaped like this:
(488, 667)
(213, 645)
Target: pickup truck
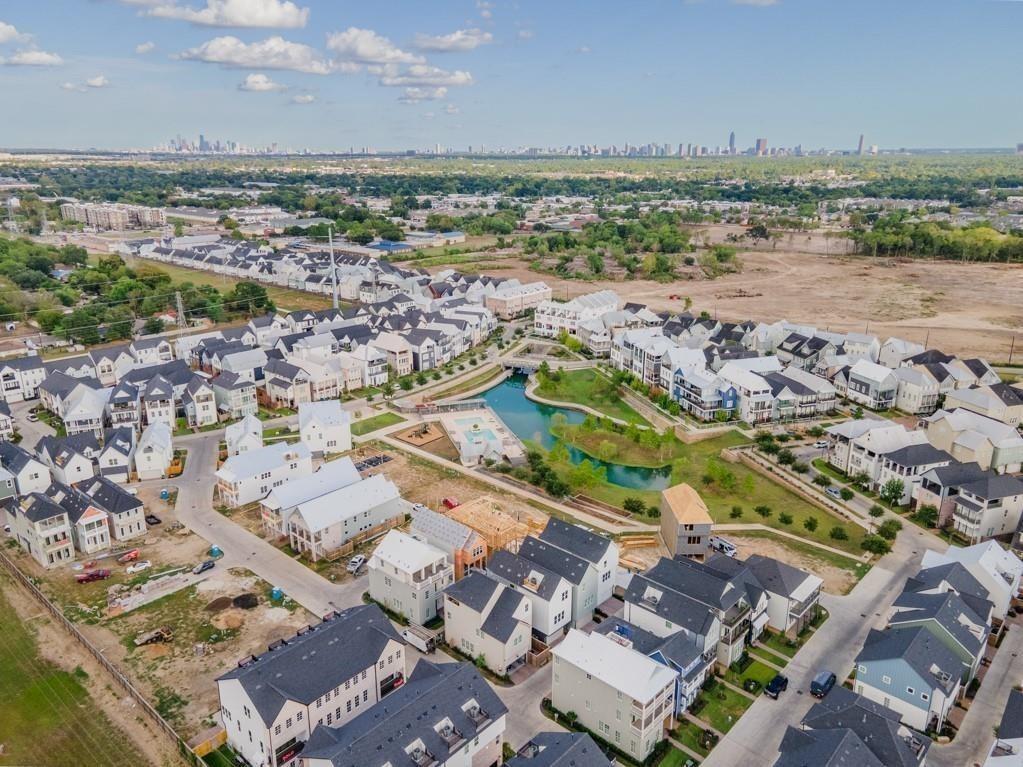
(92, 575)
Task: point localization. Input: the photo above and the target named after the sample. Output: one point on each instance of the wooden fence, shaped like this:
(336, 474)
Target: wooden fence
(188, 756)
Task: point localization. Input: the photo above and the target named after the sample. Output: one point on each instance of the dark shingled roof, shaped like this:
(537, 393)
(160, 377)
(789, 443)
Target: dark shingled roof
(473, 590)
(824, 748)
(1012, 720)
(515, 569)
(560, 749)
(918, 648)
(574, 539)
(569, 566)
(776, 576)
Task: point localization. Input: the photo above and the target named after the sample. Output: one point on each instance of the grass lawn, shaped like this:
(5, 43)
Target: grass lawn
(673, 758)
(724, 707)
(376, 422)
(779, 644)
(590, 388)
(46, 714)
(722, 485)
(757, 671)
(690, 735)
(468, 385)
(830, 471)
(222, 757)
(763, 654)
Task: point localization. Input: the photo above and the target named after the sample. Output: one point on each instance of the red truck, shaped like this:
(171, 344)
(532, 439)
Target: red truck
(92, 575)
(451, 502)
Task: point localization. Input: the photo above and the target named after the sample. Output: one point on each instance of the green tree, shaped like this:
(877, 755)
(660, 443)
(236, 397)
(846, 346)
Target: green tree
(846, 493)
(876, 511)
(892, 491)
(810, 523)
(633, 505)
(838, 533)
(785, 518)
(152, 326)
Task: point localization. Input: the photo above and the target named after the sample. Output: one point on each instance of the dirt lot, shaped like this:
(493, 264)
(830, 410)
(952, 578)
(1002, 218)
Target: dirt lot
(837, 580)
(908, 298)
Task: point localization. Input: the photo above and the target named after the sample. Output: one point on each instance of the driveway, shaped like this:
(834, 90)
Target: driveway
(757, 735)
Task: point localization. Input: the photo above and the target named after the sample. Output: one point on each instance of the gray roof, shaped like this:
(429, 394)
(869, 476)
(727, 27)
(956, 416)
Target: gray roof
(576, 540)
(877, 727)
(13, 457)
(994, 486)
(60, 384)
(917, 455)
(776, 576)
(515, 569)
(311, 663)
(554, 559)
(1011, 725)
(560, 749)
(671, 605)
(442, 529)
(918, 648)
(946, 609)
(433, 694)
(676, 650)
(956, 577)
(501, 621)
(37, 507)
(697, 581)
(957, 473)
(109, 496)
(473, 590)
(824, 748)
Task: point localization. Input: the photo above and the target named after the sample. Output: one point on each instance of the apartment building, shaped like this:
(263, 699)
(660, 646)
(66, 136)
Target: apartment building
(988, 507)
(553, 317)
(409, 576)
(323, 677)
(510, 302)
(616, 692)
(248, 477)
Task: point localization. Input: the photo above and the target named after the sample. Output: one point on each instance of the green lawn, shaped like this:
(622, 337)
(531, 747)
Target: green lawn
(46, 714)
(763, 654)
(724, 707)
(222, 757)
(590, 388)
(468, 385)
(375, 422)
(690, 735)
(779, 644)
(830, 471)
(673, 758)
(756, 671)
(722, 485)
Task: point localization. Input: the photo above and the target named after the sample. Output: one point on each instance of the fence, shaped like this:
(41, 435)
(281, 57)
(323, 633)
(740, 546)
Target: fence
(188, 756)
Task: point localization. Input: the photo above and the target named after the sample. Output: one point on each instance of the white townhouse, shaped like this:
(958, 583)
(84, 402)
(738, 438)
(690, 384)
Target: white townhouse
(553, 317)
(549, 593)
(281, 502)
(869, 384)
(510, 302)
(30, 474)
(485, 619)
(20, 378)
(793, 595)
(918, 391)
(155, 452)
(616, 692)
(42, 528)
(248, 477)
(755, 402)
(997, 570)
(126, 514)
(325, 427)
(409, 576)
(244, 435)
(325, 676)
(988, 507)
(600, 553)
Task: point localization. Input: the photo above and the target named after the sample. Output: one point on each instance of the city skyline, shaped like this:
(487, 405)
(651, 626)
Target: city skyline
(307, 74)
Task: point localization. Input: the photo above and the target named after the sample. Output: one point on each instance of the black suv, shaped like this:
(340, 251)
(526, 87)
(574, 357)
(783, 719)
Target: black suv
(777, 686)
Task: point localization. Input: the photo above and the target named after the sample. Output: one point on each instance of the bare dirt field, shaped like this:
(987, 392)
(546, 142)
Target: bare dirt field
(836, 579)
(969, 309)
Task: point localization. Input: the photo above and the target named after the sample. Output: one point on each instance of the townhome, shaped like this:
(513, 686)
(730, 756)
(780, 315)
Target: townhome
(1008, 746)
(970, 437)
(151, 351)
(988, 507)
(319, 526)
(155, 451)
(664, 611)
(793, 595)
(325, 427)
(7, 425)
(895, 350)
(998, 571)
(676, 651)
(371, 362)
(158, 402)
(20, 378)
(918, 392)
(552, 317)
(199, 402)
(549, 594)
(755, 402)
(320, 679)
(513, 301)
(599, 552)
(940, 487)
(616, 692)
(908, 465)
(1000, 402)
(487, 620)
(686, 523)
(42, 528)
(576, 570)
(701, 392)
(954, 623)
(125, 512)
(423, 344)
(30, 474)
(123, 406)
(248, 477)
(70, 459)
(398, 351)
(560, 749)
(466, 548)
(244, 435)
(462, 727)
(235, 397)
(56, 389)
(282, 501)
(74, 367)
(845, 727)
(869, 384)
(409, 576)
(112, 363)
(863, 454)
(911, 672)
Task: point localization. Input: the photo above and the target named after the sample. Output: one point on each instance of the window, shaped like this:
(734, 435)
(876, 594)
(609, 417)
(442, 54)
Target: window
(277, 730)
(348, 706)
(910, 691)
(298, 716)
(365, 695)
(924, 696)
(861, 669)
(886, 679)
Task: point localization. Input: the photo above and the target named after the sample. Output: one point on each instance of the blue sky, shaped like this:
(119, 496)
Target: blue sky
(329, 74)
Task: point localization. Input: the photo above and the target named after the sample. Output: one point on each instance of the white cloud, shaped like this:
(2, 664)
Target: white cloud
(451, 109)
(583, 49)
(259, 83)
(147, 47)
(72, 87)
(272, 53)
(233, 13)
(364, 46)
(303, 98)
(415, 95)
(486, 8)
(525, 34)
(459, 40)
(9, 34)
(33, 59)
(424, 75)
(99, 81)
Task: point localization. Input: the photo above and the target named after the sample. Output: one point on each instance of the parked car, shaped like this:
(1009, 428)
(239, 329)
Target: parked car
(32, 416)
(821, 444)
(92, 575)
(720, 544)
(355, 563)
(202, 567)
(420, 507)
(822, 683)
(138, 567)
(833, 492)
(777, 686)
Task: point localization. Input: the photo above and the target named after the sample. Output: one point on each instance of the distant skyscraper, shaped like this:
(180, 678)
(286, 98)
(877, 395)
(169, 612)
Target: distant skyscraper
(731, 142)
(761, 147)
(1019, 148)
(859, 149)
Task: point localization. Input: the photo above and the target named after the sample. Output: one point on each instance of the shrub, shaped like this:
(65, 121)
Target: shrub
(801, 467)
(838, 533)
(889, 529)
(822, 480)
(786, 457)
(785, 518)
(810, 523)
(875, 544)
(633, 505)
(846, 493)
(876, 511)
(764, 511)
(736, 512)
(653, 511)
(927, 515)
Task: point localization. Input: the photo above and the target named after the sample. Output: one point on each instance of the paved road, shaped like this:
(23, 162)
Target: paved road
(757, 735)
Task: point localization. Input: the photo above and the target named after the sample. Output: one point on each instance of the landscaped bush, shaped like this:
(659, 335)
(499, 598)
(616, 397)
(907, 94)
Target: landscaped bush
(736, 512)
(875, 544)
(810, 523)
(785, 519)
(822, 480)
(764, 511)
(838, 533)
(876, 511)
(889, 529)
(846, 493)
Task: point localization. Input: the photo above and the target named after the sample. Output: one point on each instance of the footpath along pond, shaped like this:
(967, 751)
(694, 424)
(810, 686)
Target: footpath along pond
(531, 421)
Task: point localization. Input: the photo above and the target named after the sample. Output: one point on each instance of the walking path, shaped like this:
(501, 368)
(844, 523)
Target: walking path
(739, 527)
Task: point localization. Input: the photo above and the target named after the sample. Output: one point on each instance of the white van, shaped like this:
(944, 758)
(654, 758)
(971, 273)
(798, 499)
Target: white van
(420, 638)
(720, 544)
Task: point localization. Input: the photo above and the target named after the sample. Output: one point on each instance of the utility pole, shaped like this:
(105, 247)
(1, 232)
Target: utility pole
(182, 322)
(1012, 346)
(333, 267)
